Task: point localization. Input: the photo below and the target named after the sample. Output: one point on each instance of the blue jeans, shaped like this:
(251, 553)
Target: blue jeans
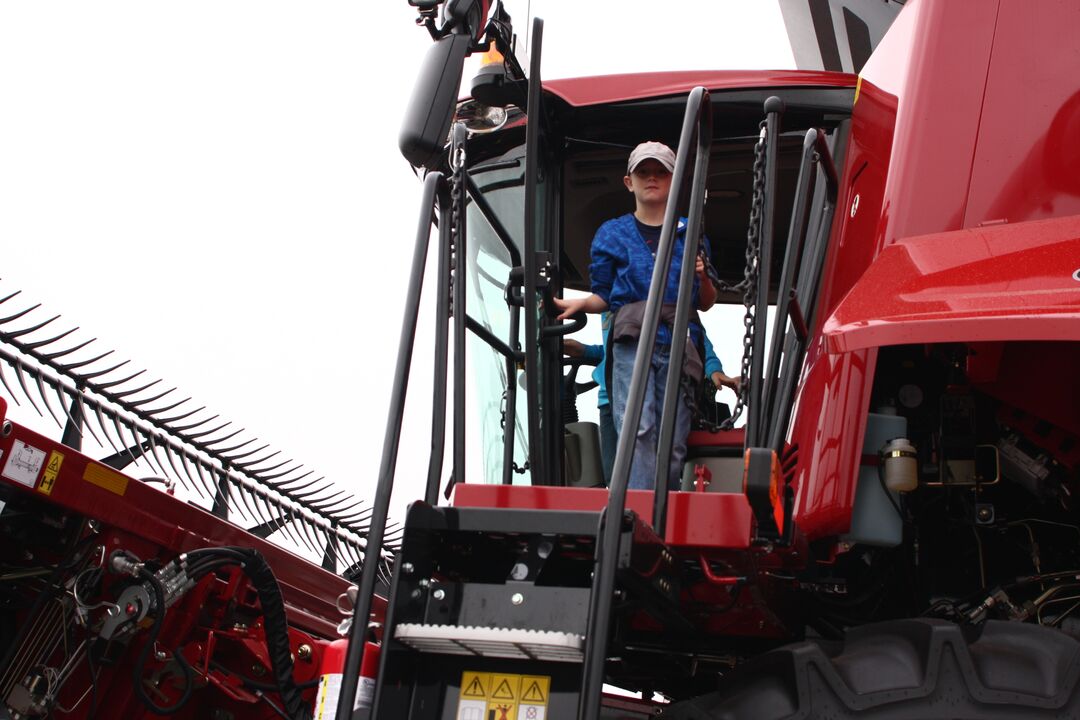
(643, 465)
(609, 440)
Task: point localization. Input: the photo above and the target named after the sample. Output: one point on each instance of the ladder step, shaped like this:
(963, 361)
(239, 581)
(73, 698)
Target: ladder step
(544, 645)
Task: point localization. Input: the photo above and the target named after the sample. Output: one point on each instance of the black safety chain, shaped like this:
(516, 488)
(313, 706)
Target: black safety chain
(457, 193)
(750, 276)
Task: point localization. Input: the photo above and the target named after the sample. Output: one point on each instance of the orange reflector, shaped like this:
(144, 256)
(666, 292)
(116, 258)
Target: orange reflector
(763, 485)
(491, 57)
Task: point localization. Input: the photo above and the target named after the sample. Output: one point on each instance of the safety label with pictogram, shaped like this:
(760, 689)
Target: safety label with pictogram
(24, 463)
(52, 469)
(502, 696)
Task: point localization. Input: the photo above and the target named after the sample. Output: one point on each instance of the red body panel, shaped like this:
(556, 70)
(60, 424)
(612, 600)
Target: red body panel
(171, 526)
(707, 520)
(1007, 282)
(638, 86)
(949, 130)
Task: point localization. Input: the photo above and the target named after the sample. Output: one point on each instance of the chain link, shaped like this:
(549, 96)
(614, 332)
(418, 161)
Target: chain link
(457, 190)
(750, 277)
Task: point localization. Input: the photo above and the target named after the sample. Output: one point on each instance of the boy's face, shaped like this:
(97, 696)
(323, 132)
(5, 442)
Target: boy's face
(650, 182)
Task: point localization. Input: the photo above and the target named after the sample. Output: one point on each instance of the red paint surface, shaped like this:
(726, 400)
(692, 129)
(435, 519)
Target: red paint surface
(167, 526)
(1006, 282)
(968, 113)
(708, 520)
(637, 86)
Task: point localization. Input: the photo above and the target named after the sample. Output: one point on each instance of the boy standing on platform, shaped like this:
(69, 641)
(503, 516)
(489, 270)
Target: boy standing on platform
(623, 256)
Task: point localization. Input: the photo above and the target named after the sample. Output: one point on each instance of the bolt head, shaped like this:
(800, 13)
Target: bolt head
(407, 568)
(517, 598)
(439, 594)
(304, 652)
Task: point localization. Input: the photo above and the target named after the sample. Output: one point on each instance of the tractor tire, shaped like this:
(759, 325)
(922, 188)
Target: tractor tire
(905, 670)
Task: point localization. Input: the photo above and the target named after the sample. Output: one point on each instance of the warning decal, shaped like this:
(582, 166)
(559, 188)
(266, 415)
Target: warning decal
(474, 689)
(52, 469)
(24, 464)
(502, 696)
(533, 693)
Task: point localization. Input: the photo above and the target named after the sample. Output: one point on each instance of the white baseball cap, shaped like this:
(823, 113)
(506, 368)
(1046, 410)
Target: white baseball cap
(651, 151)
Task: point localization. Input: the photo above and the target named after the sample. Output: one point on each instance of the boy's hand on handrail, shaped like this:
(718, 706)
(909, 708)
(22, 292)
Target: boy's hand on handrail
(571, 306)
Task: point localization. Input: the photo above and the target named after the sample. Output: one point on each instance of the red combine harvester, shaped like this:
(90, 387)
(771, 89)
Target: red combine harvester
(891, 533)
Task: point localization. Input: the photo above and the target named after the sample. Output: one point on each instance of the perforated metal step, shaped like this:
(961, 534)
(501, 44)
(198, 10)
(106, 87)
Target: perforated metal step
(542, 645)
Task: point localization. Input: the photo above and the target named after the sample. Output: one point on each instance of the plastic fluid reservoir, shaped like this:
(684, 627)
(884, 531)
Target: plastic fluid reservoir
(874, 519)
(900, 464)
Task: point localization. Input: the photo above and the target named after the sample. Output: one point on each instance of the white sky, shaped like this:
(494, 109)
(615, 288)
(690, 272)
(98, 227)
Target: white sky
(214, 190)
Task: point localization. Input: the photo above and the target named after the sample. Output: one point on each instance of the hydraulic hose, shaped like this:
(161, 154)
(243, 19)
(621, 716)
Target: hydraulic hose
(148, 646)
(255, 567)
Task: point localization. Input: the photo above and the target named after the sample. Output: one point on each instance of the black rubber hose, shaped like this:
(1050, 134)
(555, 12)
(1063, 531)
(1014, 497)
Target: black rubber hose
(148, 646)
(277, 633)
(275, 624)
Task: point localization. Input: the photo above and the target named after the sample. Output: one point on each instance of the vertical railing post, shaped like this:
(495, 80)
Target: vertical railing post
(755, 429)
(388, 462)
(673, 385)
(442, 339)
(532, 324)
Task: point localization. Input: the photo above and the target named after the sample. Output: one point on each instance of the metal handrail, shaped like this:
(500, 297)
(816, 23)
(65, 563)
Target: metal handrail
(388, 463)
(755, 418)
(532, 330)
(697, 113)
(816, 157)
(672, 386)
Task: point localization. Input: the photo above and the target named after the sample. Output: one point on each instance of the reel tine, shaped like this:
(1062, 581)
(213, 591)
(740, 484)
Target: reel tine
(204, 433)
(169, 456)
(104, 428)
(235, 488)
(221, 451)
(3, 379)
(182, 430)
(270, 515)
(42, 343)
(21, 313)
(202, 478)
(45, 398)
(156, 411)
(106, 371)
(187, 472)
(168, 421)
(8, 297)
(140, 403)
(309, 529)
(212, 443)
(61, 353)
(233, 458)
(129, 449)
(22, 383)
(71, 367)
(78, 398)
(249, 466)
(152, 440)
(65, 402)
(125, 393)
(285, 485)
(113, 383)
(243, 492)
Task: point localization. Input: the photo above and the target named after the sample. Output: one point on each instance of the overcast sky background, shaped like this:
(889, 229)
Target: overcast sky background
(214, 190)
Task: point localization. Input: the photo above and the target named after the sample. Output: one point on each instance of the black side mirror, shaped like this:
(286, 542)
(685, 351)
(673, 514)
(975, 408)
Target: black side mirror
(431, 107)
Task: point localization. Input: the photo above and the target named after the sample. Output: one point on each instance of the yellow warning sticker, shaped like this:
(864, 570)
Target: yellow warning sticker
(502, 696)
(103, 477)
(52, 469)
